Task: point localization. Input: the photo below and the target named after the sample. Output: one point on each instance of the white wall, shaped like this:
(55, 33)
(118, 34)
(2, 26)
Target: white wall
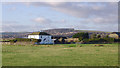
(33, 36)
(45, 39)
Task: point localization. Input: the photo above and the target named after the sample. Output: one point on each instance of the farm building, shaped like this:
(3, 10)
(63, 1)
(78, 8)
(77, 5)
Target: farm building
(44, 37)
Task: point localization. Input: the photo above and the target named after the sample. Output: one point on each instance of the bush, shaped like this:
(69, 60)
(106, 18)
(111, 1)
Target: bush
(117, 40)
(72, 45)
(81, 36)
(85, 40)
(36, 40)
(23, 39)
(13, 41)
(100, 40)
(20, 40)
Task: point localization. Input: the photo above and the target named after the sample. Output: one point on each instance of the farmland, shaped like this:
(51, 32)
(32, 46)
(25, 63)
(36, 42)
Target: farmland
(60, 55)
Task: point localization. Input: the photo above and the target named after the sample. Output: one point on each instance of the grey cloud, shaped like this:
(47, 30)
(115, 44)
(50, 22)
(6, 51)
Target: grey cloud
(14, 28)
(82, 9)
(21, 28)
(103, 15)
(98, 27)
(9, 22)
(88, 10)
(102, 12)
(41, 24)
(41, 20)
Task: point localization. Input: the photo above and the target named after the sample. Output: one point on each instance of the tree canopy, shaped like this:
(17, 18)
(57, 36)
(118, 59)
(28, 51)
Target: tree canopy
(81, 36)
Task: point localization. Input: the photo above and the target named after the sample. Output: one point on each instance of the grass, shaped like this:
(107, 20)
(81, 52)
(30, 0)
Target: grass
(60, 55)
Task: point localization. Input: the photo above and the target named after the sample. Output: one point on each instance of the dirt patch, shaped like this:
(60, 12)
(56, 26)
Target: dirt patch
(99, 45)
(67, 48)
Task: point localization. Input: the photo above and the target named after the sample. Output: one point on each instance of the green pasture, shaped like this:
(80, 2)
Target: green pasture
(60, 55)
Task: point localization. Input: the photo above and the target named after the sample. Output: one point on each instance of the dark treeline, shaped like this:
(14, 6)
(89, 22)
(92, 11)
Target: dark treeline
(85, 38)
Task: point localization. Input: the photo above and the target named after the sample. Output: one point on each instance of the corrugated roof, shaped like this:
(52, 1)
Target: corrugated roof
(39, 33)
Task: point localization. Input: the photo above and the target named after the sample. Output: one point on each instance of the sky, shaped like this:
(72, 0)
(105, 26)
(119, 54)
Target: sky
(36, 16)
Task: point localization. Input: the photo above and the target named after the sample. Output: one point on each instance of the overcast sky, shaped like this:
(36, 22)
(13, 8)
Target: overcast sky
(36, 16)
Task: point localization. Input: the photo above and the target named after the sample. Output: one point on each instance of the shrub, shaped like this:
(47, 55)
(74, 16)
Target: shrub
(36, 40)
(72, 45)
(81, 36)
(86, 40)
(13, 41)
(20, 40)
(93, 36)
(100, 40)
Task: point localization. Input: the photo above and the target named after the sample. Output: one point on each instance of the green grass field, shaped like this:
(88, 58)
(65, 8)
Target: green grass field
(60, 55)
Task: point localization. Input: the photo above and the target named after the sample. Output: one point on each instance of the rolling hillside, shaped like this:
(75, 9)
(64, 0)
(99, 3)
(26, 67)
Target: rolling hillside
(67, 32)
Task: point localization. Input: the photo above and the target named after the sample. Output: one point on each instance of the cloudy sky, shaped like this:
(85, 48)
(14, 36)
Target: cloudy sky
(36, 16)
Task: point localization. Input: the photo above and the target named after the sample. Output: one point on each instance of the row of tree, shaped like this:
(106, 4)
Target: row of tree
(94, 38)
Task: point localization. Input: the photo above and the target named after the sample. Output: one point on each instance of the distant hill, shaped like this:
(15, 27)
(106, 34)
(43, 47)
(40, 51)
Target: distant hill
(14, 34)
(67, 32)
(61, 30)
